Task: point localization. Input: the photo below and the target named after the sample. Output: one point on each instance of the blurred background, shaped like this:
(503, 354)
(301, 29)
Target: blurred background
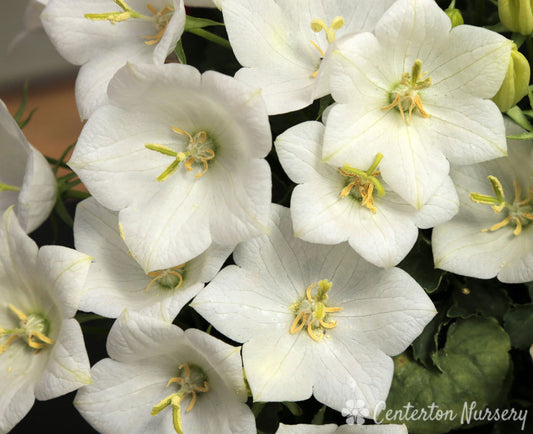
(29, 55)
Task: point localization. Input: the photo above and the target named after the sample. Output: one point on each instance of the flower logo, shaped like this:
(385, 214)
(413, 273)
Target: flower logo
(355, 412)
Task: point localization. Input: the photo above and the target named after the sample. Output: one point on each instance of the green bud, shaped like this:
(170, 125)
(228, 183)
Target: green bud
(515, 83)
(455, 16)
(517, 15)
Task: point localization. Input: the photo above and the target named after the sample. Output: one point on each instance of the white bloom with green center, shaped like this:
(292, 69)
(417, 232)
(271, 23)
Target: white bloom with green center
(344, 429)
(26, 180)
(161, 379)
(42, 353)
(117, 282)
(418, 91)
(314, 319)
(492, 235)
(284, 45)
(181, 156)
(102, 35)
(336, 204)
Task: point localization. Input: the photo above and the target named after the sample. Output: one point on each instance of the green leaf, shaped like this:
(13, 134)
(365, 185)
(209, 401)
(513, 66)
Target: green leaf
(479, 297)
(475, 362)
(199, 23)
(518, 322)
(318, 418)
(419, 264)
(325, 102)
(425, 345)
(293, 408)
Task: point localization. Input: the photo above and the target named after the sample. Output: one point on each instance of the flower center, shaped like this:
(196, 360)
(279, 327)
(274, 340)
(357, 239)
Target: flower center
(313, 313)
(7, 187)
(519, 212)
(318, 25)
(199, 150)
(169, 279)
(360, 184)
(34, 328)
(404, 96)
(159, 18)
(191, 380)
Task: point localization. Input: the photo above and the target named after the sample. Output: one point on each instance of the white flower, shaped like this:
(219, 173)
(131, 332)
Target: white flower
(117, 282)
(283, 45)
(181, 156)
(417, 92)
(26, 179)
(102, 35)
(42, 354)
(161, 379)
(344, 429)
(336, 204)
(333, 339)
(493, 233)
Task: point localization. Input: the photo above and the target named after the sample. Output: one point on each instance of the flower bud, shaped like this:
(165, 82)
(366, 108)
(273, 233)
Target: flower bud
(517, 15)
(515, 83)
(455, 16)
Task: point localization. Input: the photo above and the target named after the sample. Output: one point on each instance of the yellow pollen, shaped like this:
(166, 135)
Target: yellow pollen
(405, 95)
(318, 25)
(363, 183)
(520, 212)
(198, 151)
(166, 275)
(32, 327)
(313, 313)
(192, 382)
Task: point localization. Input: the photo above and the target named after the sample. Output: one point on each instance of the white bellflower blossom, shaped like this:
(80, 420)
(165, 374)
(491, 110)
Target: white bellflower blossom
(180, 155)
(417, 91)
(314, 319)
(102, 35)
(284, 45)
(42, 353)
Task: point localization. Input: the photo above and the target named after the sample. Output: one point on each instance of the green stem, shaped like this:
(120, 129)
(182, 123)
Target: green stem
(529, 45)
(53, 161)
(6, 187)
(76, 194)
(62, 157)
(211, 37)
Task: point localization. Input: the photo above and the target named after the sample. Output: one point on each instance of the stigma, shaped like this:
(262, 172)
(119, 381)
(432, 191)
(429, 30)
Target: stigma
(312, 312)
(405, 95)
(169, 279)
(318, 25)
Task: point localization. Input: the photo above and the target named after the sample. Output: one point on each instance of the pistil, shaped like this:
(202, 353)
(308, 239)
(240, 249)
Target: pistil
(362, 183)
(198, 151)
(405, 95)
(313, 312)
(191, 381)
(318, 25)
(33, 327)
(171, 278)
(519, 212)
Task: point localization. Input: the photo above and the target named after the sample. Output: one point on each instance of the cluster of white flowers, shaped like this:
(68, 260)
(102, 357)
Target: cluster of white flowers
(175, 162)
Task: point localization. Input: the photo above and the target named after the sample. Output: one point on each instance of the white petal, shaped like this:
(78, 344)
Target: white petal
(68, 366)
(122, 396)
(38, 194)
(474, 61)
(343, 371)
(329, 428)
(440, 208)
(135, 337)
(66, 271)
(466, 131)
(237, 296)
(172, 227)
(276, 368)
(299, 151)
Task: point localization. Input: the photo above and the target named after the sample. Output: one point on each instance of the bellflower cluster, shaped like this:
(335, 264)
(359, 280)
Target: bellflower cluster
(178, 164)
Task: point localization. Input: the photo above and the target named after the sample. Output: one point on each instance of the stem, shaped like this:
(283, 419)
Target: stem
(76, 194)
(529, 45)
(211, 37)
(62, 157)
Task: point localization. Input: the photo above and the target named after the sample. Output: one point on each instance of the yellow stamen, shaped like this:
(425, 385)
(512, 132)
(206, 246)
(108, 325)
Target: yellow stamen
(405, 95)
(312, 312)
(21, 315)
(161, 274)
